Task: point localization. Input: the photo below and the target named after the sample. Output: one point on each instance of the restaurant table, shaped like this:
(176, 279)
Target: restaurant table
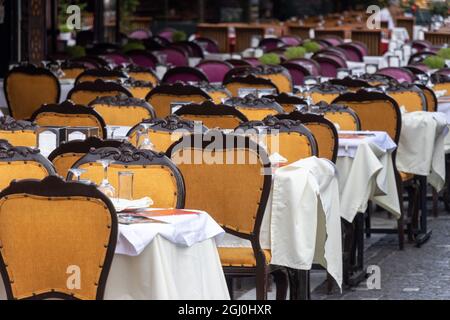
(421, 146)
(444, 107)
(176, 260)
(301, 224)
(365, 172)
(421, 151)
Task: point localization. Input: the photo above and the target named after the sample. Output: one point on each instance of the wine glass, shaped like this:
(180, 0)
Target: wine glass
(77, 172)
(113, 130)
(105, 186)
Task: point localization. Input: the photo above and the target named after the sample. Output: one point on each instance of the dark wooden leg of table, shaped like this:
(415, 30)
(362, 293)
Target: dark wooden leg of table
(423, 233)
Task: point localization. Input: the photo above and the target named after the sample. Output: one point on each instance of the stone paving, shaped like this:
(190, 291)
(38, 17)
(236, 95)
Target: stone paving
(414, 273)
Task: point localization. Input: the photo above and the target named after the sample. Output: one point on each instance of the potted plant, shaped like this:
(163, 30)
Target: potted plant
(434, 63)
(294, 53)
(270, 58)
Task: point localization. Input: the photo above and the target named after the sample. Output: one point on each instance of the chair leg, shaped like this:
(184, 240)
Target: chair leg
(401, 232)
(281, 280)
(230, 287)
(261, 282)
(367, 219)
(330, 283)
(435, 202)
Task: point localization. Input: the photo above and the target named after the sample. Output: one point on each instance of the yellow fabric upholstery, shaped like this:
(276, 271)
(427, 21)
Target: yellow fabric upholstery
(442, 86)
(161, 102)
(122, 116)
(234, 87)
(23, 138)
(19, 170)
(92, 78)
(375, 115)
(405, 176)
(65, 161)
(156, 182)
(68, 120)
(26, 93)
(412, 101)
(256, 113)
(324, 137)
(218, 96)
(291, 145)
(240, 257)
(282, 82)
(215, 121)
(345, 120)
(327, 97)
(161, 140)
(288, 107)
(212, 186)
(431, 103)
(85, 97)
(41, 238)
(139, 92)
(144, 76)
(72, 73)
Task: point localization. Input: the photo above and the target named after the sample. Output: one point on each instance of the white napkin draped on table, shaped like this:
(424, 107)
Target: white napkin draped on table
(301, 224)
(305, 220)
(183, 229)
(421, 147)
(365, 171)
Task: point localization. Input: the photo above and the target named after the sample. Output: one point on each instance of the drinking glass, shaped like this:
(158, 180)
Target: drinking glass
(105, 186)
(77, 172)
(125, 185)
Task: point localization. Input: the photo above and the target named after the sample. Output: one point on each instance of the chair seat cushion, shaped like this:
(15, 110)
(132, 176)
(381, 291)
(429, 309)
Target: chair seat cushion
(406, 176)
(240, 257)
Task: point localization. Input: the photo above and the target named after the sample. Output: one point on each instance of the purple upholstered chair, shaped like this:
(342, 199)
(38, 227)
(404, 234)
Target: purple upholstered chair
(116, 58)
(207, 44)
(140, 34)
(253, 61)
(333, 41)
(352, 52)
(175, 57)
(215, 70)
(291, 40)
(444, 71)
(401, 74)
(312, 66)
(167, 34)
(268, 44)
(421, 45)
(329, 64)
(184, 74)
(297, 72)
(143, 58)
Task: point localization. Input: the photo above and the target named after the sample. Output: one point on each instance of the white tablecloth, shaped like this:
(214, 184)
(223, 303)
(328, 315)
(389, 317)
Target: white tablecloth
(168, 271)
(421, 147)
(444, 107)
(365, 171)
(184, 230)
(166, 261)
(301, 224)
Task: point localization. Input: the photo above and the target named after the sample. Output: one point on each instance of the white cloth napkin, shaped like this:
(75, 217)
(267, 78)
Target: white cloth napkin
(123, 204)
(421, 147)
(368, 173)
(348, 147)
(185, 230)
(305, 218)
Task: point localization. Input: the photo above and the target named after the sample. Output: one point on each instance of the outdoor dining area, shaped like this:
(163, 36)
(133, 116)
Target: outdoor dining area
(243, 160)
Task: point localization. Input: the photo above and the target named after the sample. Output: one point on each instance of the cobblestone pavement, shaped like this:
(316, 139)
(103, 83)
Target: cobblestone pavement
(414, 273)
